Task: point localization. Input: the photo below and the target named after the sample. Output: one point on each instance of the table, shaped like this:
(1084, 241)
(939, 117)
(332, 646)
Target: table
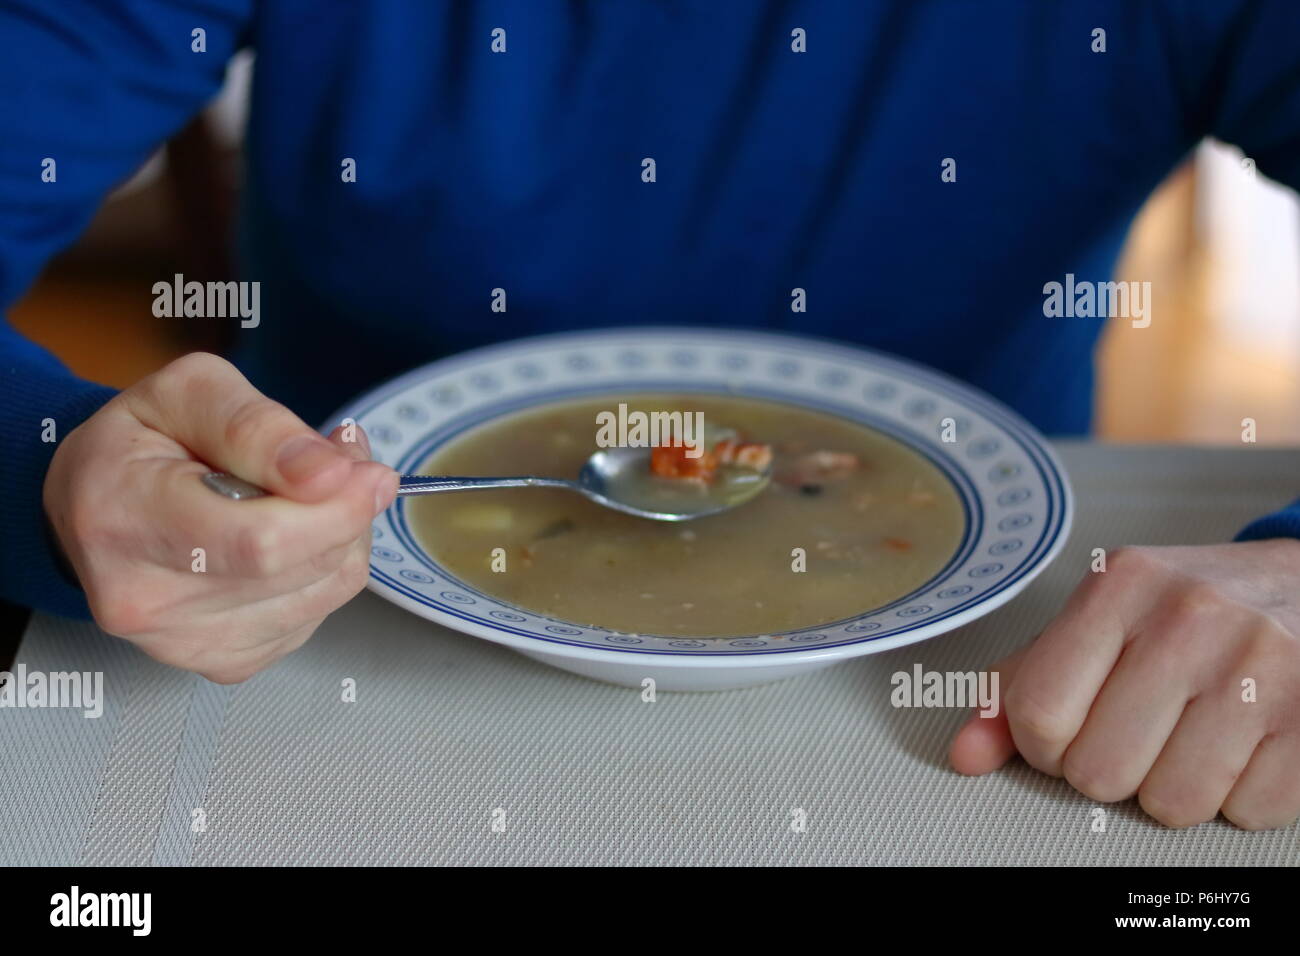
(458, 751)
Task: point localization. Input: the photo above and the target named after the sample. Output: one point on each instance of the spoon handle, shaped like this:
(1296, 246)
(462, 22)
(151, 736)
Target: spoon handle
(236, 488)
(432, 484)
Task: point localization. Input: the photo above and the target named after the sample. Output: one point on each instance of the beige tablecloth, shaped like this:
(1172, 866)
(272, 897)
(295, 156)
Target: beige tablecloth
(460, 751)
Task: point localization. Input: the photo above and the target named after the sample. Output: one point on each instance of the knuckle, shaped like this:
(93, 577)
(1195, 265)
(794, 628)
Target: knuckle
(183, 384)
(1196, 601)
(1268, 647)
(121, 616)
(259, 551)
(1098, 782)
(1041, 723)
(1130, 560)
(252, 421)
(181, 376)
(1126, 568)
(196, 365)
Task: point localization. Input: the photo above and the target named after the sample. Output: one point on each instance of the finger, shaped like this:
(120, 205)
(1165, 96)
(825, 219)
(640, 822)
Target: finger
(1129, 723)
(246, 591)
(238, 667)
(347, 581)
(1267, 794)
(312, 602)
(234, 645)
(983, 744)
(255, 538)
(206, 405)
(254, 631)
(1202, 760)
(1064, 670)
(353, 440)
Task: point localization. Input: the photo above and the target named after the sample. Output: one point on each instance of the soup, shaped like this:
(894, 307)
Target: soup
(852, 520)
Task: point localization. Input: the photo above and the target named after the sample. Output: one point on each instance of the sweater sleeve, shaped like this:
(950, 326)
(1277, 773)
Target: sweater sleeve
(90, 90)
(1280, 524)
(40, 402)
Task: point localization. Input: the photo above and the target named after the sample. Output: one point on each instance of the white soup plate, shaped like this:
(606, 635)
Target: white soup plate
(1015, 495)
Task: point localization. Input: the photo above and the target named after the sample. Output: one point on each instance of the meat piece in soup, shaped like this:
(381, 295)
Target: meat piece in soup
(873, 520)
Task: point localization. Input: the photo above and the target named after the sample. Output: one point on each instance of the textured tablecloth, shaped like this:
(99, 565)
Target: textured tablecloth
(450, 735)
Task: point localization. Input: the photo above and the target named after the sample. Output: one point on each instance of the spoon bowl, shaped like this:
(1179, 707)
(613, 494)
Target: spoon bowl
(620, 478)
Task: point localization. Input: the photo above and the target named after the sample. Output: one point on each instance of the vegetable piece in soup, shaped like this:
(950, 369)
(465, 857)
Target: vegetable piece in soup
(852, 520)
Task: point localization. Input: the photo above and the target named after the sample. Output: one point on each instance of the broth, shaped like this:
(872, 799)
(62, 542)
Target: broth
(870, 533)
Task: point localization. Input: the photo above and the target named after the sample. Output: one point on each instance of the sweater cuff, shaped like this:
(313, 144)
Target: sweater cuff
(31, 572)
(1280, 524)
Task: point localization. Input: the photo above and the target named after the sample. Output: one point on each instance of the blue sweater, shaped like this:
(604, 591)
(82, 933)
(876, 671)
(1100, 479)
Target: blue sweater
(522, 169)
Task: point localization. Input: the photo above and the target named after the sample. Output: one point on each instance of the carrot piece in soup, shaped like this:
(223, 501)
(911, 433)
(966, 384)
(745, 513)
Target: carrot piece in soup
(671, 461)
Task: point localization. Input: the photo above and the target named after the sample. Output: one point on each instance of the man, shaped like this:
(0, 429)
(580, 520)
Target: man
(921, 170)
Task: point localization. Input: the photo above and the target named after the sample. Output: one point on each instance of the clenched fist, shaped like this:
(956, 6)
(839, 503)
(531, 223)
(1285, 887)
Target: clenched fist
(1173, 676)
(125, 499)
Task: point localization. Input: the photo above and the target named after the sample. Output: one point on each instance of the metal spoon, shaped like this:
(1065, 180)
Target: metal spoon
(617, 478)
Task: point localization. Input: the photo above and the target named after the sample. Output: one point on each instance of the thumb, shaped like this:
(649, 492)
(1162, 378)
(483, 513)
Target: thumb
(353, 440)
(984, 743)
(205, 404)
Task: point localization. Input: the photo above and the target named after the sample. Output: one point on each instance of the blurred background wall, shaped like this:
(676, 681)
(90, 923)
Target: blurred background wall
(1219, 244)
(1221, 248)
